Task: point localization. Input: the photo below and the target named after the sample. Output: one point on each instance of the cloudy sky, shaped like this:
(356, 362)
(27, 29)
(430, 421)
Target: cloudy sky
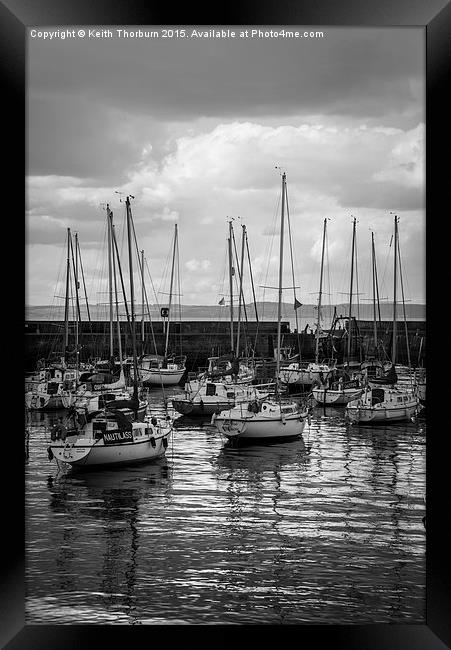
(194, 129)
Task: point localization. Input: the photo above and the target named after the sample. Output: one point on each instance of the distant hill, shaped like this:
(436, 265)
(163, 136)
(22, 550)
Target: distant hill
(267, 311)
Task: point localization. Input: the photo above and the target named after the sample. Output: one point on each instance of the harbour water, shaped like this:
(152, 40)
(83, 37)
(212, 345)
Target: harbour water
(324, 529)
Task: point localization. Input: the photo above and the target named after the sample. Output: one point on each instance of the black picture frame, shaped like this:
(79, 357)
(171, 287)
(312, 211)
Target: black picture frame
(435, 17)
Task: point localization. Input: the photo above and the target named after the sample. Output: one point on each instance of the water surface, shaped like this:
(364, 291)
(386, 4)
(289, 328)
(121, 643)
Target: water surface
(323, 529)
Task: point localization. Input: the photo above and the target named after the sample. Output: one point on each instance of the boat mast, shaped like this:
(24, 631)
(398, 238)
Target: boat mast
(243, 232)
(132, 299)
(279, 302)
(373, 257)
(406, 329)
(170, 293)
(77, 285)
(66, 307)
(110, 276)
(395, 278)
(116, 298)
(320, 295)
(350, 289)
(142, 300)
(231, 286)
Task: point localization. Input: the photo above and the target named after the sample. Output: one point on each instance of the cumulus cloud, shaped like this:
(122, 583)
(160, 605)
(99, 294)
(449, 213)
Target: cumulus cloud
(198, 265)
(332, 172)
(196, 140)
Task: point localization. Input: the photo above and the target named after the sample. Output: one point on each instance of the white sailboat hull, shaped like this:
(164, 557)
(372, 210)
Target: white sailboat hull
(361, 415)
(337, 397)
(396, 406)
(84, 452)
(201, 407)
(265, 420)
(161, 376)
(260, 428)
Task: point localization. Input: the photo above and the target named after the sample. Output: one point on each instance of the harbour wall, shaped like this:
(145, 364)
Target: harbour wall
(199, 340)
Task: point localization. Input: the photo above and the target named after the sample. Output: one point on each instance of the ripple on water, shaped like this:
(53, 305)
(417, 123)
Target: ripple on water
(323, 529)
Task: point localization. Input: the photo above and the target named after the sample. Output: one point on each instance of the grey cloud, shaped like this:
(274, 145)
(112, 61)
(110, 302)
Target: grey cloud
(94, 103)
(383, 196)
(189, 77)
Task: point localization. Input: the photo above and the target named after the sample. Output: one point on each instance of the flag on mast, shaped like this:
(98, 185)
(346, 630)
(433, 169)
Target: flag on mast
(297, 304)
(221, 302)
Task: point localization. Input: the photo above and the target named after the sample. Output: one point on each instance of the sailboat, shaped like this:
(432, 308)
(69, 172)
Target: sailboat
(386, 403)
(166, 370)
(110, 437)
(376, 370)
(226, 380)
(272, 418)
(90, 395)
(50, 388)
(205, 397)
(302, 373)
(337, 388)
(228, 369)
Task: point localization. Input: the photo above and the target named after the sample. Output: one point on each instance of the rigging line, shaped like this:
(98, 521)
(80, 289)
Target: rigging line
(103, 282)
(345, 273)
(221, 294)
(55, 314)
(241, 303)
(163, 278)
(152, 331)
(118, 324)
(140, 266)
(239, 289)
(239, 274)
(268, 255)
(151, 282)
(404, 312)
(59, 279)
(377, 288)
(253, 296)
(150, 319)
(246, 324)
(71, 299)
(386, 264)
(99, 271)
(66, 302)
(380, 343)
(75, 281)
(213, 336)
(179, 291)
(121, 278)
(144, 286)
(292, 275)
(329, 282)
(173, 250)
(357, 277)
(84, 286)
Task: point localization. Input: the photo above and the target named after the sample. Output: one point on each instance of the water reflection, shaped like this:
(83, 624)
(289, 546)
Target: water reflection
(258, 457)
(98, 547)
(186, 422)
(324, 528)
(331, 412)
